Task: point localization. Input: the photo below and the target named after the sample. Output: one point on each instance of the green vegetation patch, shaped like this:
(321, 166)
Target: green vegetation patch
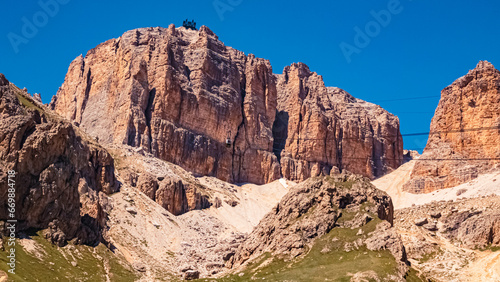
(327, 260)
(428, 256)
(42, 261)
(491, 248)
(27, 103)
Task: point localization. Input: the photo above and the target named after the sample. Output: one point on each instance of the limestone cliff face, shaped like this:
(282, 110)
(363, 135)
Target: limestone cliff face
(179, 94)
(61, 178)
(466, 125)
(328, 127)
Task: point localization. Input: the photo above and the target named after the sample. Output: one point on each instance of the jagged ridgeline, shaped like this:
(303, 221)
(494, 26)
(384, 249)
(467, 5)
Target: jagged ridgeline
(181, 94)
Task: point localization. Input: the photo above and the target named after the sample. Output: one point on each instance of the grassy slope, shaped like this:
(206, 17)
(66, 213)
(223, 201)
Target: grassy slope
(336, 264)
(52, 263)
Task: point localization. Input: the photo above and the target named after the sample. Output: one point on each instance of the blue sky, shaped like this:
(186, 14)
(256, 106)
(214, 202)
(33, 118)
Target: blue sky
(422, 48)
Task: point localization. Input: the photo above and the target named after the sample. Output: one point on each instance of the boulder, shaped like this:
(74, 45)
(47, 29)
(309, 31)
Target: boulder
(131, 210)
(435, 214)
(191, 275)
(421, 221)
(430, 226)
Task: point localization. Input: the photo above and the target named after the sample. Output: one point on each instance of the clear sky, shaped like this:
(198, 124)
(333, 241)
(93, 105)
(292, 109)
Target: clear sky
(407, 49)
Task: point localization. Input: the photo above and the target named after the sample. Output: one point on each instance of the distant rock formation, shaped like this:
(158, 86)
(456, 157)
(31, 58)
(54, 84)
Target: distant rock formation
(180, 94)
(61, 177)
(466, 127)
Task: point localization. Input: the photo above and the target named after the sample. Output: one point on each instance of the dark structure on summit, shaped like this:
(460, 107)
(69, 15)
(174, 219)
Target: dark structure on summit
(189, 24)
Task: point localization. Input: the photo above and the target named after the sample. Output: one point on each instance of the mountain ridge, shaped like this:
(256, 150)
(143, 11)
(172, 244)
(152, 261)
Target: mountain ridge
(182, 95)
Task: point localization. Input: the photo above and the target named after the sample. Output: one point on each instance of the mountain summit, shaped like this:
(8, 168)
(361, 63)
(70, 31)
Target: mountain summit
(185, 97)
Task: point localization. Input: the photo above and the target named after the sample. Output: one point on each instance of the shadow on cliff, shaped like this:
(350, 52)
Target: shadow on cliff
(280, 132)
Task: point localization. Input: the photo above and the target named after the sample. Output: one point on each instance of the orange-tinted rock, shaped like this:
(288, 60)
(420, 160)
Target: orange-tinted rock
(178, 94)
(471, 102)
(320, 127)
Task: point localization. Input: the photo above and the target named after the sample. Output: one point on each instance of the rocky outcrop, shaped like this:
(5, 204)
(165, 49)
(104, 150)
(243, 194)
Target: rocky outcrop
(180, 94)
(170, 186)
(315, 208)
(464, 233)
(319, 127)
(61, 178)
(474, 229)
(174, 194)
(465, 133)
(386, 238)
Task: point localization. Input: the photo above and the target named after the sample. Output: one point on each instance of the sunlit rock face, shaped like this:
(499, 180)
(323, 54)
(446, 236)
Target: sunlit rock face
(182, 95)
(465, 126)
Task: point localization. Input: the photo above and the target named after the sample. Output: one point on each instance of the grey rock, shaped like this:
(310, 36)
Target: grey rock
(421, 221)
(191, 275)
(435, 214)
(131, 210)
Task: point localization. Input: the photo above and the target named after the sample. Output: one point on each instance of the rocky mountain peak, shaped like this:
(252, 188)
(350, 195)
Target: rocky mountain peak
(187, 98)
(204, 30)
(483, 65)
(326, 127)
(465, 128)
(3, 80)
(301, 70)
